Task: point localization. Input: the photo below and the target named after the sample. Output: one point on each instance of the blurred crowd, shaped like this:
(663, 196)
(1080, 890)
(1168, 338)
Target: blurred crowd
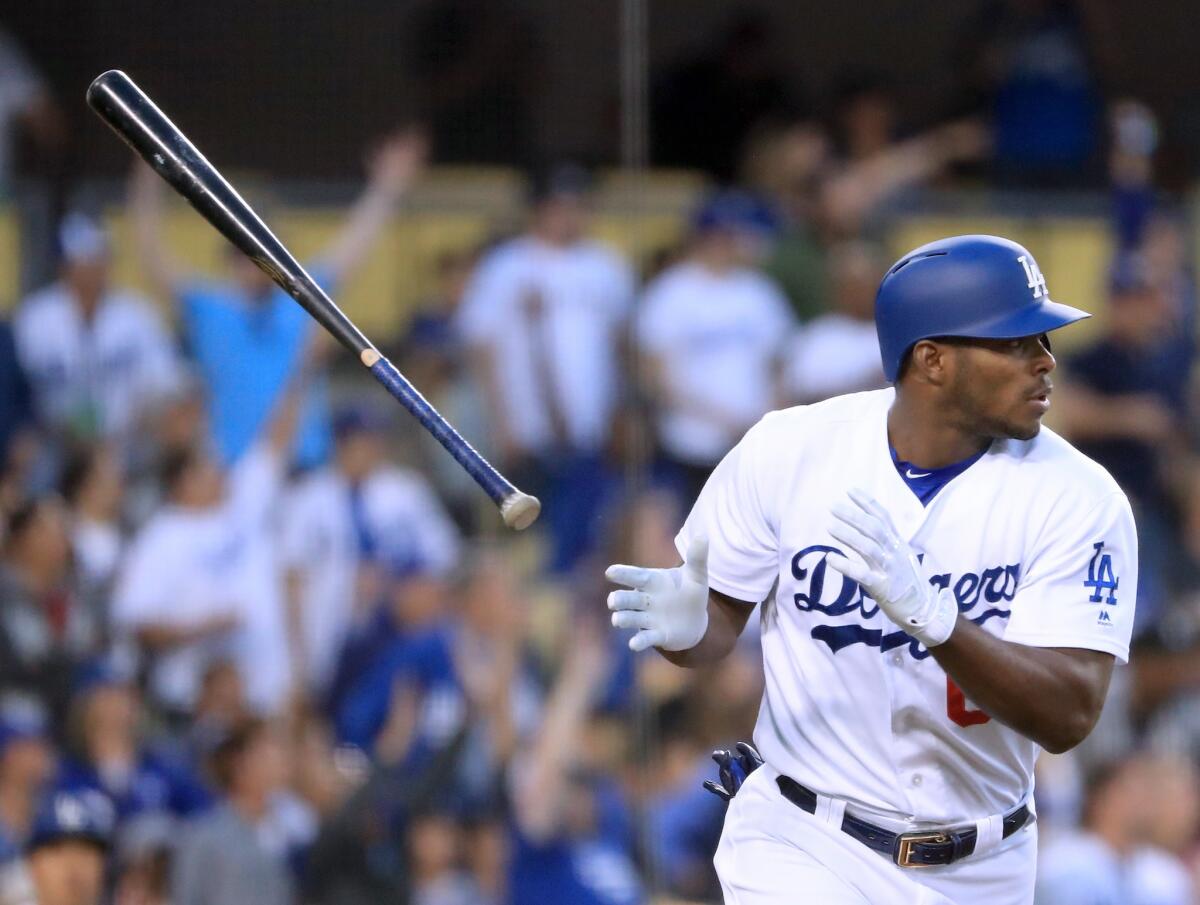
(261, 642)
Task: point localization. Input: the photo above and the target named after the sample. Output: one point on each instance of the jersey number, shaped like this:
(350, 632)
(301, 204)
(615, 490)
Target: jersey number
(957, 709)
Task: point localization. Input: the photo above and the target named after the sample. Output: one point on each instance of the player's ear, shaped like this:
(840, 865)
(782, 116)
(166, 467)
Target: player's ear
(929, 362)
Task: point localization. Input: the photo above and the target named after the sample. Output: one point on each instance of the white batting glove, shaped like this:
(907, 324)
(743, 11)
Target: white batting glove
(890, 572)
(668, 607)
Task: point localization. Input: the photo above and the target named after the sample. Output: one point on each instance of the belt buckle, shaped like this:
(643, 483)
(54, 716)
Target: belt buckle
(904, 847)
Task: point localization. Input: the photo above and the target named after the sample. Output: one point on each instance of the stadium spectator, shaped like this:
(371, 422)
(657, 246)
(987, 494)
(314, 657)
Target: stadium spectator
(499, 683)
(543, 319)
(93, 488)
(572, 835)
(64, 859)
(98, 357)
(17, 443)
(46, 630)
(407, 598)
(1109, 859)
(247, 335)
(343, 523)
(142, 868)
(26, 765)
(236, 852)
(1033, 66)
(838, 352)
(409, 702)
(201, 579)
(220, 707)
(713, 331)
(683, 819)
(857, 195)
(865, 114)
(435, 841)
(1125, 405)
(106, 754)
(787, 163)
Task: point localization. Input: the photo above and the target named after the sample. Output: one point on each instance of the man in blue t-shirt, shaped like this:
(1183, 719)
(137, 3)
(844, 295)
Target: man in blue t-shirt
(246, 335)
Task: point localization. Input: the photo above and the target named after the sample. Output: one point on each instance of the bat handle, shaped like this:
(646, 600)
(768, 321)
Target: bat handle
(519, 510)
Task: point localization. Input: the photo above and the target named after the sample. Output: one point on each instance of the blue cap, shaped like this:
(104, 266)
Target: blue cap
(981, 287)
(406, 563)
(80, 238)
(87, 815)
(357, 419)
(735, 211)
(100, 673)
(560, 180)
(21, 719)
(1129, 273)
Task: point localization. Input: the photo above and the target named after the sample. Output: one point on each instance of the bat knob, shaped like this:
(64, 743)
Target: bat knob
(520, 510)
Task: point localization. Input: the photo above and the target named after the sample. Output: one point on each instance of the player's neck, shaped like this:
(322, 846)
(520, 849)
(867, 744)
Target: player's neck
(924, 437)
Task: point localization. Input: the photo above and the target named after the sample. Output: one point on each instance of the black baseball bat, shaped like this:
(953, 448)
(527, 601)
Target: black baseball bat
(146, 129)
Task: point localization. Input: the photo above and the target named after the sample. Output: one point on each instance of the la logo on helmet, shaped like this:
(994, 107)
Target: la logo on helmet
(1033, 274)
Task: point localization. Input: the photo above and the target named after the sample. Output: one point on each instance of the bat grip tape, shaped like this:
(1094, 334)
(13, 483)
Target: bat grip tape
(493, 483)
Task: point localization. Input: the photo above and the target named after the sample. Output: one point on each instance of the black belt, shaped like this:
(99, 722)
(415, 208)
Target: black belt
(906, 849)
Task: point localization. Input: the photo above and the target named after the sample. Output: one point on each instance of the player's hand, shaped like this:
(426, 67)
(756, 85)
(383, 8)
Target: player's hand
(889, 571)
(733, 769)
(668, 607)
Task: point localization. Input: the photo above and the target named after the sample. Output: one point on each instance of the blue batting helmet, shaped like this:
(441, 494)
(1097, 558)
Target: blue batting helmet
(973, 286)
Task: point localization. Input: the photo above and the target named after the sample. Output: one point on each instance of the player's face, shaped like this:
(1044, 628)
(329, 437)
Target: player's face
(1000, 388)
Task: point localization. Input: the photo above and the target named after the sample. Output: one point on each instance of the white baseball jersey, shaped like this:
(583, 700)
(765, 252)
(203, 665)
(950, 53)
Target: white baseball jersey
(717, 336)
(1035, 541)
(561, 351)
(318, 539)
(187, 565)
(112, 366)
(830, 355)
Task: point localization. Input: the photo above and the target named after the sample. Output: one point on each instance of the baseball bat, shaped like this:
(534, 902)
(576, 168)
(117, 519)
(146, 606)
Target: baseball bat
(146, 129)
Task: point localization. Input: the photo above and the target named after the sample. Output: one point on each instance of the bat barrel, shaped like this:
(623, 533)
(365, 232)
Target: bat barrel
(158, 141)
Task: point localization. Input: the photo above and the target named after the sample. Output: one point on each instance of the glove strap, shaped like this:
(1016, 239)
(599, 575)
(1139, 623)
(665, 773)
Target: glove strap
(936, 624)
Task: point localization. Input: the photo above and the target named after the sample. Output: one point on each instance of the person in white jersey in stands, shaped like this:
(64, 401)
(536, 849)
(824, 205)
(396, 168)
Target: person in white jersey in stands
(713, 330)
(201, 581)
(98, 357)
(342, 523)
(837, 352)
(542, 319)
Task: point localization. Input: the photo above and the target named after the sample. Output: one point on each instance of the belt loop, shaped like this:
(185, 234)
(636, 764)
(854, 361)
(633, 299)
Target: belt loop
(989, 830)
(831, 811)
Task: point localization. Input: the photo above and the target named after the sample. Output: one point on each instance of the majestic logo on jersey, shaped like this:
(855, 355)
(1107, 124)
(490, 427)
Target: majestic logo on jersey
(1033, 274)
(1101, 578)
(830, 593)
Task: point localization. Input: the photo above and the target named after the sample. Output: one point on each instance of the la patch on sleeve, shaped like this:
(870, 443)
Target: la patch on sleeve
(1102, 580)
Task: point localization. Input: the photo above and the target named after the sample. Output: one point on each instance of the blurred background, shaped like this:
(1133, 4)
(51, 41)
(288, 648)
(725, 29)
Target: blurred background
(261, 641)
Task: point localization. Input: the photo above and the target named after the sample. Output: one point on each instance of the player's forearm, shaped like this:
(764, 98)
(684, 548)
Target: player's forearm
(1052, 696)
(726, 619)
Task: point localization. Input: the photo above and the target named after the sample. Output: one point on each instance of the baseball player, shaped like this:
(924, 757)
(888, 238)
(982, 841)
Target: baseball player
(946, 587)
